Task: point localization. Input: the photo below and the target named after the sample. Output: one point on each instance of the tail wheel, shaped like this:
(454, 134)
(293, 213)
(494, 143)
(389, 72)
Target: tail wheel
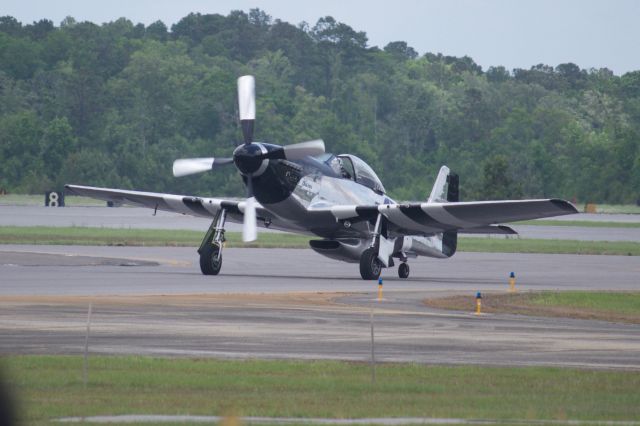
(370, 266)
(403, 270)
(211, 259)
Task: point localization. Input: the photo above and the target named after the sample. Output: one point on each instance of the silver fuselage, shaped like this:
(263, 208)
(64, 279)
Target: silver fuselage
(311, 189)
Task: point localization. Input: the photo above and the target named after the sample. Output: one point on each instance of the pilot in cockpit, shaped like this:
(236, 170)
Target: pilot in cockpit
(337, 166)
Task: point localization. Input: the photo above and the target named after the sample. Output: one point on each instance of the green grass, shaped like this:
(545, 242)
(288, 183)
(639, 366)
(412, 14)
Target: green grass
(151, 237)
(136, 237)
(580, 223)
(38, 200)
(605, 306)
(622, 303)
(618, 208)
(51, 387)
(523, 245)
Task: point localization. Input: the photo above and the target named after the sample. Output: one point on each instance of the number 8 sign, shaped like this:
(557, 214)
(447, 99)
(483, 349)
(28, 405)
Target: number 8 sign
(54, 199)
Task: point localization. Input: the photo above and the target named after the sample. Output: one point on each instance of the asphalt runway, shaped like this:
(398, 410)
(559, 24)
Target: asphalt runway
(295, 304)
(141, 218)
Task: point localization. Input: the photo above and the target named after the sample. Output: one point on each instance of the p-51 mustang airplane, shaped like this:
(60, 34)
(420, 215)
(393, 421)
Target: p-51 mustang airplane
(300, 188)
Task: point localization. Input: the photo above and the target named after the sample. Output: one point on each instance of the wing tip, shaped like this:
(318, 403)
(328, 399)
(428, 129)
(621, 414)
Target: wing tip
(69, 189)
(564, 205)
(508, 230)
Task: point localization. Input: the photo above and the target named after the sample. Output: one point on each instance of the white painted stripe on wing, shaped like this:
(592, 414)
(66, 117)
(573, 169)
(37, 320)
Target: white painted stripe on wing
(211, 205)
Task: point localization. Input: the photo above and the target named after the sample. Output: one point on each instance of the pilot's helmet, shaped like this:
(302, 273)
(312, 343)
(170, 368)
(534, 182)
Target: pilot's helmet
(336, 165)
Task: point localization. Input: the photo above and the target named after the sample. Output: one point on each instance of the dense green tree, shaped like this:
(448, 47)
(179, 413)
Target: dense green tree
(10, 26)
(400, 50)
(58, 142)
(157, 30)
(114, 104)
(20, 149)
(19, 57)
(497, 181)
(40, 30)
(497, 74)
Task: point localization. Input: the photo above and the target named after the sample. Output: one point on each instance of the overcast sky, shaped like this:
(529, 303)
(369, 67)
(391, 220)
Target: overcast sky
(512, 33)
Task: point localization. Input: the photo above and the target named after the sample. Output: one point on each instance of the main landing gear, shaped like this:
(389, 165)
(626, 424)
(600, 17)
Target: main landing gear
(381, 248)
(211, 248)
(370, 265)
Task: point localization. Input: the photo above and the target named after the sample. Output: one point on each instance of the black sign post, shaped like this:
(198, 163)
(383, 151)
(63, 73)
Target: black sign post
(54, 199)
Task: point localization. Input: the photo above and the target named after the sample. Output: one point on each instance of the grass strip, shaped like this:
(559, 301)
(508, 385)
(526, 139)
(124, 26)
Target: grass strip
(51, 386)
(137, 237)
(524, 245)
(608, 302)
(157, 237)
(38, 200)
(606, 306)
(579, 223)
(618, 208)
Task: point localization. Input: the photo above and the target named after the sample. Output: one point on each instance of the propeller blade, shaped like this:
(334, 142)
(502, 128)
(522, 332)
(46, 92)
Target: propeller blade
(297, 151)
(249, 226)
(300, 150)
(247, 106)
(189, 166)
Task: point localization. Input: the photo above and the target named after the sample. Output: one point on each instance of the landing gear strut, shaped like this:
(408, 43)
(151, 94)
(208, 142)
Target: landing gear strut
(211, 248)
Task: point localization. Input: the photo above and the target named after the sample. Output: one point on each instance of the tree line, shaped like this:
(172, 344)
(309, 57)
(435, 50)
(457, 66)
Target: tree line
(115, 104)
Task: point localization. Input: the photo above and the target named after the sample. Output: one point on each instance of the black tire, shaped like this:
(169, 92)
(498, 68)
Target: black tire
(210, 264)
(403, 270)
(370, 266)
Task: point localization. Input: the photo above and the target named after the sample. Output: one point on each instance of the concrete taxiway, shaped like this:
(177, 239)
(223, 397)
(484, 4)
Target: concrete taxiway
(295, 304)
(302, 270)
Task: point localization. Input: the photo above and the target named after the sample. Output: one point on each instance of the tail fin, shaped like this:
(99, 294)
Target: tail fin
(439, 190)
(446, 189)
(453, 193)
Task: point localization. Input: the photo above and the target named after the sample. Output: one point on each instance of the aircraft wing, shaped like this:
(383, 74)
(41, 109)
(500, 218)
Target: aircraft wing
(489, 229)
(189, 205)
(477, 217)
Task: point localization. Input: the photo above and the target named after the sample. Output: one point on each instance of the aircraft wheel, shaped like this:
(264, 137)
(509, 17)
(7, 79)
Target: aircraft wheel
(370, 266)
(210, 263)
(403, 270)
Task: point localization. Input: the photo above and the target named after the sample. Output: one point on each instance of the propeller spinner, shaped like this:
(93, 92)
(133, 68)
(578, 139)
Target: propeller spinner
(251, 158)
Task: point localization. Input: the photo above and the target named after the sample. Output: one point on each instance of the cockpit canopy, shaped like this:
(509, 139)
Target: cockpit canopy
(352, 167)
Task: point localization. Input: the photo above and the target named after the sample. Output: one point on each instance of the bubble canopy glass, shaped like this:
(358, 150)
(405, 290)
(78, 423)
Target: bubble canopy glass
(363, 173)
